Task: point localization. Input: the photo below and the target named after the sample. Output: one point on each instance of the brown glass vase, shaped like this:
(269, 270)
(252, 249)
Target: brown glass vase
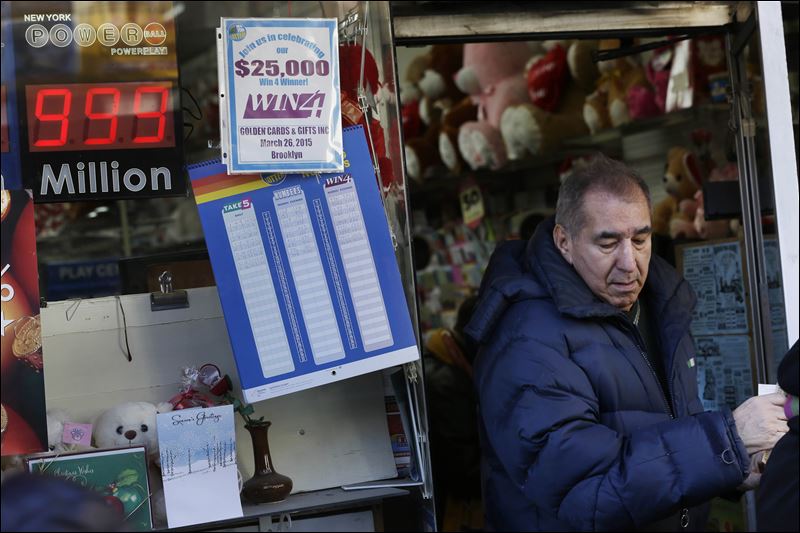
(266, 485)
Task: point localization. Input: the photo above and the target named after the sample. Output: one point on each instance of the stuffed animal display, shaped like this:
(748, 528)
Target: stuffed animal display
(491, 74)
(623, 92)
(458, 115)
(674, 216)
(554, 109)
(525, 99)
(433, 74)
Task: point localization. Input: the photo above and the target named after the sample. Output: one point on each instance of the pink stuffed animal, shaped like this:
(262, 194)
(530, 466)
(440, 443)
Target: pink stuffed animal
(492, 75)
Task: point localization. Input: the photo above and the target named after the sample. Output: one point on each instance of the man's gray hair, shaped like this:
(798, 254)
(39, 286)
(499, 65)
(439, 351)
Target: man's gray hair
(601, 174)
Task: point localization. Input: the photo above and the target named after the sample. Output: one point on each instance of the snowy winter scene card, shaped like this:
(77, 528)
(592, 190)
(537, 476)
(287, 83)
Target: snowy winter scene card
(198, 465)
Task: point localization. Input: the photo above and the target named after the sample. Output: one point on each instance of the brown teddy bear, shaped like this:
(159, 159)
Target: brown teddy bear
(409, 90)
(436, 84)
(674, 216)
(462, 112)
(422, 153)
(438, 93)
(622, 92)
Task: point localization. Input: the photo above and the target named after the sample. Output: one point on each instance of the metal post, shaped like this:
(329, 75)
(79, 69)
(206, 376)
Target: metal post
(783, 158)
(744, 125)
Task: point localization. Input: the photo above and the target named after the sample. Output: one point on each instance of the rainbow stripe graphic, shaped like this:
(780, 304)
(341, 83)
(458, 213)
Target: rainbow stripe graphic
(221, 185)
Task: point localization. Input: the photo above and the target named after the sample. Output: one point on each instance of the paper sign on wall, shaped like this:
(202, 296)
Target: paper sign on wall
(306, 273)
(280, 97)
(198, 465)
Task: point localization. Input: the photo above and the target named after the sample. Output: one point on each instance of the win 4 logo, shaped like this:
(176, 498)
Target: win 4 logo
(296, 105)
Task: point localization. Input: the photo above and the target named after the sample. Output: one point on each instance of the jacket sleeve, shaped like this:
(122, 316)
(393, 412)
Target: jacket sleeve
(542, 419)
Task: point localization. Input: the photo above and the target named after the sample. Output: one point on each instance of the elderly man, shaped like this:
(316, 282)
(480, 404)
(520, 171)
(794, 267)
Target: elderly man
(589, 412)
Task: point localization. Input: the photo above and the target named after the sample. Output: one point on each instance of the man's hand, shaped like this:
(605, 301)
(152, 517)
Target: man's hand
(756, 469)
(761, 422)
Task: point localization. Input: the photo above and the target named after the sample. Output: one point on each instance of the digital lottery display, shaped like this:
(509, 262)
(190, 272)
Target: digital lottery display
(97, 100)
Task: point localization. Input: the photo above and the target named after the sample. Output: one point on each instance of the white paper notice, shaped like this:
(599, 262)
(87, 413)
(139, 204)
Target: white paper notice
(258, 291)
(198, 465)
(281, 97)
(715, 273)
(724, 375)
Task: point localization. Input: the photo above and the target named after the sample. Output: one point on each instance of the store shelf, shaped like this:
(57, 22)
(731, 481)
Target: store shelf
(676, 118)
(320, 501)
(440, 178)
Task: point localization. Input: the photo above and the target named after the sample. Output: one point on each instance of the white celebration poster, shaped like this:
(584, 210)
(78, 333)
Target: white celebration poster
(280, 95)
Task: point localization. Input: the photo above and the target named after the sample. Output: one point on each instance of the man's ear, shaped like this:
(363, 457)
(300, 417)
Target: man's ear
(563, 242)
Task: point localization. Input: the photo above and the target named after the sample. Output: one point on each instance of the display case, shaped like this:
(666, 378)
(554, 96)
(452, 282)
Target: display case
(719, 69)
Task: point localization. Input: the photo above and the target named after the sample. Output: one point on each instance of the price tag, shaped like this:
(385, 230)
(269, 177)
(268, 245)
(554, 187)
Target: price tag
(77, 434)
(472, 209)
(280, 95)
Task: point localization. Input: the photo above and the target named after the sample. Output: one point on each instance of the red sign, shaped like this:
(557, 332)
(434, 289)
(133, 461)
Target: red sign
(99, 116)
(24, 423)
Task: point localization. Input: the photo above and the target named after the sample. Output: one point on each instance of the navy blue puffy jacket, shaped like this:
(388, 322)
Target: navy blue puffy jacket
(576, 431)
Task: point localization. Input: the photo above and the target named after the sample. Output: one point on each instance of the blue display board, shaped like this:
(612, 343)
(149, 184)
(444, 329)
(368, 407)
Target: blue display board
(306, 273)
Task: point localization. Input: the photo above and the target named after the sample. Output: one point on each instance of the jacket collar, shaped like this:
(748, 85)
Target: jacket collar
(567, 289)
(521, 271)
(666, 293)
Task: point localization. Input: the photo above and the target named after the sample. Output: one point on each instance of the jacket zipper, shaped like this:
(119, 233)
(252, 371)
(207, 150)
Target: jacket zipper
(684, 518)
(637, 337)
(660, 388)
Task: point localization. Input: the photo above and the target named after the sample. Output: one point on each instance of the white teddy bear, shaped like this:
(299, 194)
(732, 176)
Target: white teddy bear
(129, 424)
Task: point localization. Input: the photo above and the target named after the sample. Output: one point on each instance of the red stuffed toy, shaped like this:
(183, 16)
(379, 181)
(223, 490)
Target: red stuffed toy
(349, 74)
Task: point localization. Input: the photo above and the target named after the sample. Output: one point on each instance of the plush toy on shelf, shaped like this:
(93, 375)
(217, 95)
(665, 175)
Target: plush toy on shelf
(439, 94)
(674, 216)
(582, 67)
(409, 90)
(623, 92)
(422, 153)
(437, 85)
(410, 96)
(459, 114)
(492, 76)
(710, 68)
(657, 68)
(554, 110)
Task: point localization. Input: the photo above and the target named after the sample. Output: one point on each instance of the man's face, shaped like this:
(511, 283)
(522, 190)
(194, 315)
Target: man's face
(612, 250)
